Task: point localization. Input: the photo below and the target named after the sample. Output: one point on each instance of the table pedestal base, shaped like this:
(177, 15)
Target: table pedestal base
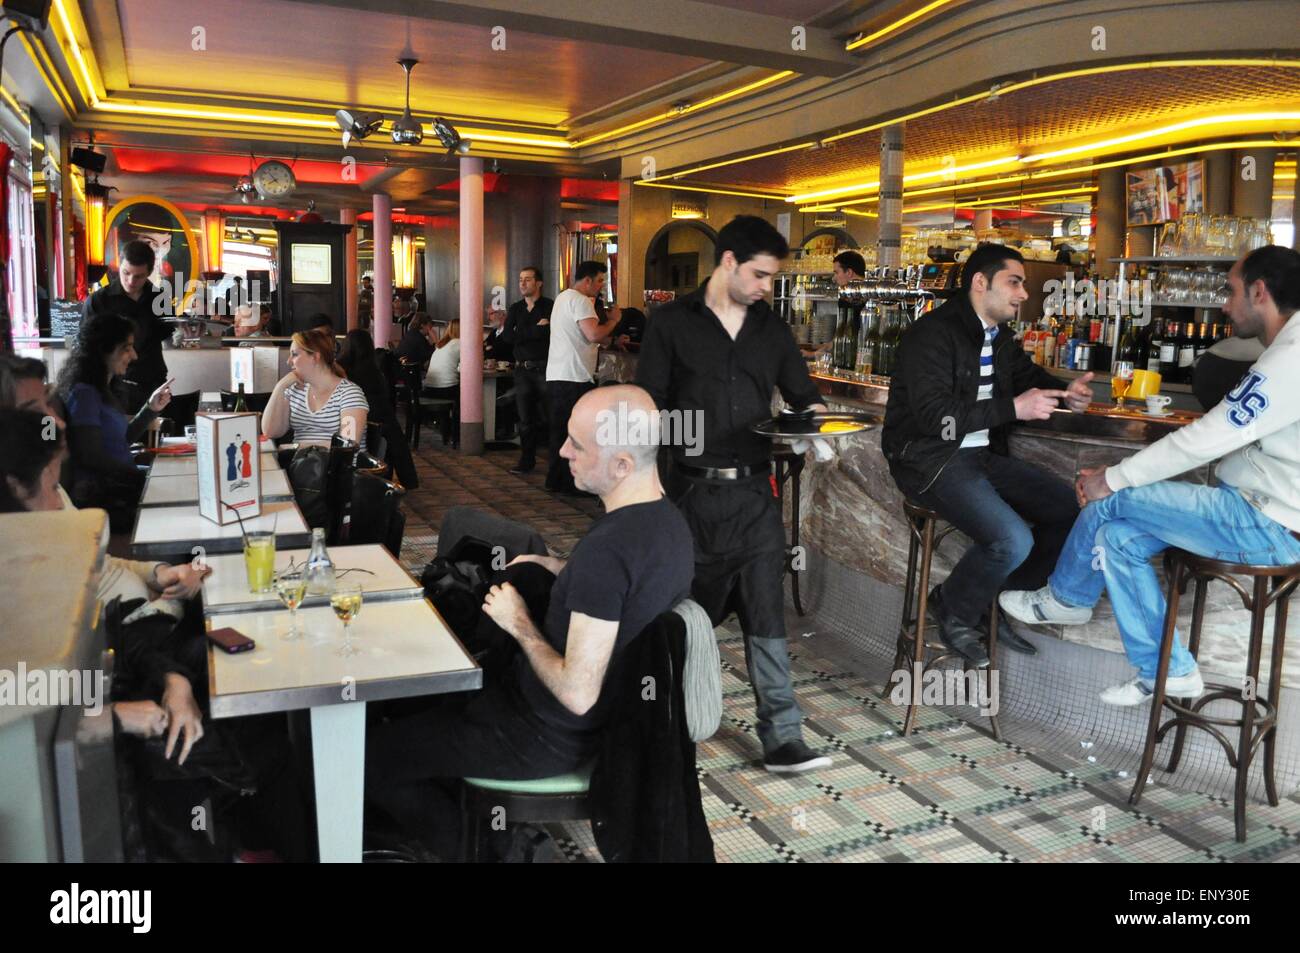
(338, 751)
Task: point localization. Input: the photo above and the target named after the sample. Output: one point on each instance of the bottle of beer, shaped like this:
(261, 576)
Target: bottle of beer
(888, 343)
(1126, 350)
(241, 405)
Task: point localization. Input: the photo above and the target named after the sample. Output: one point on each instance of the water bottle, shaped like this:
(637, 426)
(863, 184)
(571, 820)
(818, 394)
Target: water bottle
(320, 568)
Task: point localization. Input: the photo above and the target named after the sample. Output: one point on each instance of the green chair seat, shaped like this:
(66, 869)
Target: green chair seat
(574, 782)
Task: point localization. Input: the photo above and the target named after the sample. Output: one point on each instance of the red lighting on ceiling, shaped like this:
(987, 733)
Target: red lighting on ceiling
(492, 182)
(597, 189)
(156, 162)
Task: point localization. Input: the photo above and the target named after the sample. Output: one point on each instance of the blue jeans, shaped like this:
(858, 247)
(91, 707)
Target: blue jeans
(994, 500)
(1114, 539)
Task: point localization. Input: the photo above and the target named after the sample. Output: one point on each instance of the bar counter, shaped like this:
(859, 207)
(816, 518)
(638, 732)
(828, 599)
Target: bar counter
(852, 511)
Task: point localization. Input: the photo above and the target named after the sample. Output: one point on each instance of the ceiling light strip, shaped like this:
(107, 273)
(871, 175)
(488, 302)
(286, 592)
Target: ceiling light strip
(91, 92)
(44, 66)
(1090, 148)
(694, 188)
(693, 107)
(1013, 87)
(898, 24)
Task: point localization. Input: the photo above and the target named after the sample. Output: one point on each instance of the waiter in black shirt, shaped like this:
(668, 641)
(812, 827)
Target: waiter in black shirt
(717, 354)
(528, 331)
(131, 295)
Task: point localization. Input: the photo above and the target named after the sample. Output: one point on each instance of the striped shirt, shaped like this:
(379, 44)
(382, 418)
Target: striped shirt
(321, 426)
(980, 438)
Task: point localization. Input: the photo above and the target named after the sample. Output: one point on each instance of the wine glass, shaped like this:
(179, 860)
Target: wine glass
(291, 587)
(346, 603)
(1121, 376)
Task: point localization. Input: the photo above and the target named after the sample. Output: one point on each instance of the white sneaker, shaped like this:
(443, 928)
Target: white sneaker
(1040, 607)
(1137, 691)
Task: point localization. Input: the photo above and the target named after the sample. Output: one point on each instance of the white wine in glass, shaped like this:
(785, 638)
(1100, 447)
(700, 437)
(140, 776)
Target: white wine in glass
(292, 589)
(346, 603)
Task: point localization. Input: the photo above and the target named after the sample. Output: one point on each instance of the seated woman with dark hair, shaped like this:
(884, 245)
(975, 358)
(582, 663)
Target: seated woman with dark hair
(418, 341)
(99, 433)
(361, 361)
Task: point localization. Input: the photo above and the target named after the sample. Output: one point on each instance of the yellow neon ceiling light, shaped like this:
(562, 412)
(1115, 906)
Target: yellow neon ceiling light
(695, 188)
(1009, 88)
(693, 107)
(1229, 119)
(1076, 150)
(90, 93)
(898, 24)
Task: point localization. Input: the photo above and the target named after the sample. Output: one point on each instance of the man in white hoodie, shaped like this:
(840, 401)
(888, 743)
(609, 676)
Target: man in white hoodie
(1135, 510)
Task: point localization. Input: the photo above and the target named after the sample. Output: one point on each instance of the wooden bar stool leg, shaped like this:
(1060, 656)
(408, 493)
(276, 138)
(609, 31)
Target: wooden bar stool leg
(1158, 698)
(1193, 646)
(1248, 706)
(922, 597)
(1275, 688)
(909, 580)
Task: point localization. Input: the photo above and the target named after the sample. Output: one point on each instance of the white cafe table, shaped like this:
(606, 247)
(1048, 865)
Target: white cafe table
(405, 649)
(162, 531)
(383, 579)
(184, 488)
(187, 463)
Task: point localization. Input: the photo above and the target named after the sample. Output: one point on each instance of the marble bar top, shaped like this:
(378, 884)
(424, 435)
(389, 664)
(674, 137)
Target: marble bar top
(1100, 420)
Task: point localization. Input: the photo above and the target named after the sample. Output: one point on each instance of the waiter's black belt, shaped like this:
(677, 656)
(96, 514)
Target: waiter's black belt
(724, 473)
(533, 365)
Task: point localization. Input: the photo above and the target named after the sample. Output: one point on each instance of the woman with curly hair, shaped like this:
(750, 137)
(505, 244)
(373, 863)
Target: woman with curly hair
(104, 474)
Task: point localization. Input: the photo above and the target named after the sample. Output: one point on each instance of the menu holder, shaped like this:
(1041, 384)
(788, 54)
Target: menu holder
(257, 368)
(229, 466)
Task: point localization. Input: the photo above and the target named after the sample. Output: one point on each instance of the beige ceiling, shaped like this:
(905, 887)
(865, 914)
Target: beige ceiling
(1075, 110)
(341, 57)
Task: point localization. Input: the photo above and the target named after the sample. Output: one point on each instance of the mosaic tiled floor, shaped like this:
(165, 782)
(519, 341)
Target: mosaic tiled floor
(950, 792)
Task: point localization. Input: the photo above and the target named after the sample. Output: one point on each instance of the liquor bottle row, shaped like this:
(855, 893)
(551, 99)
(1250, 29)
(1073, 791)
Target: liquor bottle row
(1166, 346)
(867, 335)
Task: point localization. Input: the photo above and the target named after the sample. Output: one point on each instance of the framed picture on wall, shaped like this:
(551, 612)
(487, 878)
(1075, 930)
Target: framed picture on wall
(1165, 193)
(310, 264)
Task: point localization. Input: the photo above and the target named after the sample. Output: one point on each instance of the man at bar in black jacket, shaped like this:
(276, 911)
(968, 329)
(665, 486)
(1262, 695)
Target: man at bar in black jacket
(961, 381)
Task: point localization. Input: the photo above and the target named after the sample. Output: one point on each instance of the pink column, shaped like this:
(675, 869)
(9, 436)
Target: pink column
(471, 305)
(348, 216)
(383, 268)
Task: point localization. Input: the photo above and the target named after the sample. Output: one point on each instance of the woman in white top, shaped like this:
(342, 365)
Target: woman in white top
(315, 398)
(443, 376)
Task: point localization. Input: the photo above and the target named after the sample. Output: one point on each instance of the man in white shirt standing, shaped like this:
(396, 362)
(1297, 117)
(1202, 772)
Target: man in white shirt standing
(576, 336)
(1135, 510)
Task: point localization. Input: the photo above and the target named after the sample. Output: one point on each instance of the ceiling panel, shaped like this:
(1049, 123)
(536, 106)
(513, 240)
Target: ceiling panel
(347, 57)
(1026, 120)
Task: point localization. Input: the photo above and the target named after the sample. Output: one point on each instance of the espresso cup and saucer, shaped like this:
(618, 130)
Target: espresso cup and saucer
(1158, 405)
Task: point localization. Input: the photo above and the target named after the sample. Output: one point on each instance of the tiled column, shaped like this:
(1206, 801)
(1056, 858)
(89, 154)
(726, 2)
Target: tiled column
(889, 244)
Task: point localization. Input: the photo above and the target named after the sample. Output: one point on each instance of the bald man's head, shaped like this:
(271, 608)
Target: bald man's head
(613, 434)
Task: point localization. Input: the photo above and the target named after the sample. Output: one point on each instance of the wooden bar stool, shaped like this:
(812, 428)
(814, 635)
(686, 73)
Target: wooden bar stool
(1271, 586)
(912, 643)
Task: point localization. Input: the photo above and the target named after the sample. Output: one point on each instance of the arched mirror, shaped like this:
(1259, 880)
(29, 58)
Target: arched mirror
(679, 257)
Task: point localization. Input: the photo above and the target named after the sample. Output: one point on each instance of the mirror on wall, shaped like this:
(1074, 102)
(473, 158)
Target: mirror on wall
(679, 257)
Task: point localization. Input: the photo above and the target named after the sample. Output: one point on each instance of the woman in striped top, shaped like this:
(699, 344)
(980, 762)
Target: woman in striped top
(315, 398)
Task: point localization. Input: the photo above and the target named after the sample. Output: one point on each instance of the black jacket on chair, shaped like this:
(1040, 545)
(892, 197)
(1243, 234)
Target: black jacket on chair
(934, 395)
(645, 795)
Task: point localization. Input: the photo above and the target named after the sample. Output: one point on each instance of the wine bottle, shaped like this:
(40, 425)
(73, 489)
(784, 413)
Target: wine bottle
(873, 319)
(1154, 345)
(241, 405)
(1169, 352)
(1186, 352)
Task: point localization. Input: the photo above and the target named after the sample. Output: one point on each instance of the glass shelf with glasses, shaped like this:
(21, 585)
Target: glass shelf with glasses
(1176, 260)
